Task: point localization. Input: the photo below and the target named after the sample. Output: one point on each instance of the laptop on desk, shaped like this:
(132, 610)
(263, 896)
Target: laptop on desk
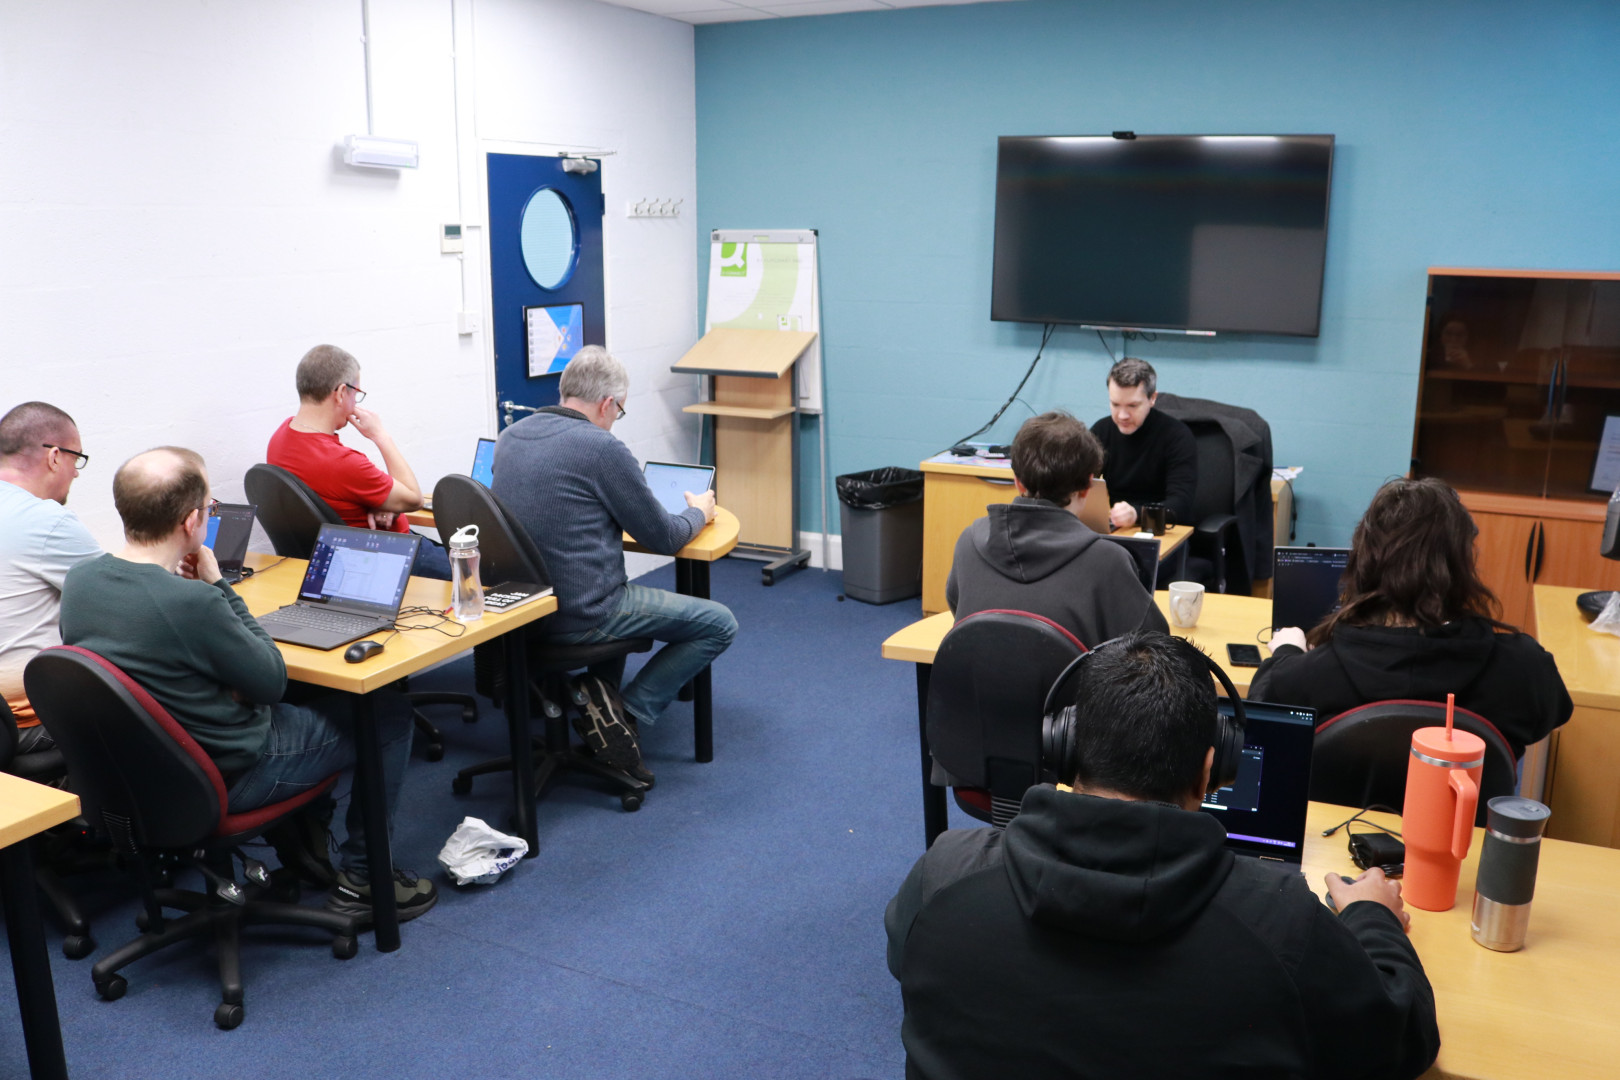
(354, 586)
(1094, 511)
(1144, 552)
(671, 481)
(230, 527)
(1305, 585)
(483, 466)
(1264, 810)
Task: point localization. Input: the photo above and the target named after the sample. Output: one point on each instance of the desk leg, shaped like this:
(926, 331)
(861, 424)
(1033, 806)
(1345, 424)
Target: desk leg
(933, 797)
(31, 966)
(369, 788)
(684, 586)
(517, 726)
(697, 581)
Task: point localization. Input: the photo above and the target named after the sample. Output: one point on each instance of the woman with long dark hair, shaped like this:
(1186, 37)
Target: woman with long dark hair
(1415, 621)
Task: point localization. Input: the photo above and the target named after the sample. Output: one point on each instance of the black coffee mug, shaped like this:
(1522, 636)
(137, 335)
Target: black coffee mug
(1154, 518)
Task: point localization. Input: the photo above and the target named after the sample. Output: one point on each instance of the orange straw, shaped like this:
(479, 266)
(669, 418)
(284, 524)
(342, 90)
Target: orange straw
(1451, 713)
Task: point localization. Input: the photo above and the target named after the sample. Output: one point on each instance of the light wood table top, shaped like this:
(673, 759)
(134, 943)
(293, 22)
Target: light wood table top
(714, 541)
(403, 653)
(27, 808)
(1225, 619)
(1548, 1010)
(1588, 660)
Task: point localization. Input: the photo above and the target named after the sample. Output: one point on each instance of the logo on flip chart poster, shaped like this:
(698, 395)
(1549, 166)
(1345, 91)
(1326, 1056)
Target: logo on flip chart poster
(733, 260)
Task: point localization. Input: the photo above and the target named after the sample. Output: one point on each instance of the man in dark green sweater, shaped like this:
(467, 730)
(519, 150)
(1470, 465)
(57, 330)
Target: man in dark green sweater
(162, 613)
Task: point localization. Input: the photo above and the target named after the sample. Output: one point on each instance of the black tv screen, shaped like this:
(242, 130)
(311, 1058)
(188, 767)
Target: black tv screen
(1163, 232)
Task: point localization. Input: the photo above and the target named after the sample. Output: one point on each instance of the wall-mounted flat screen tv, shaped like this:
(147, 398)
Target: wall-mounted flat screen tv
(1163, 232)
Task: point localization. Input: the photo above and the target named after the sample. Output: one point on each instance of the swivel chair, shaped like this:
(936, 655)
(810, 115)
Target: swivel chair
(163, 803)
(292, 516)
(1360, 755)
(1215, 539)
(507, 553)
(985, 696)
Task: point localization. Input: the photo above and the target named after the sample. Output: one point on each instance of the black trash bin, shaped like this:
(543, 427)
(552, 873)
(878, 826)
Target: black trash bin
(882, 520)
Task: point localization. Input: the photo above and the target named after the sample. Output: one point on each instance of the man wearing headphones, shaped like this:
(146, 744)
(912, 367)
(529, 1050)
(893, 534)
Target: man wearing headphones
(1108, 931)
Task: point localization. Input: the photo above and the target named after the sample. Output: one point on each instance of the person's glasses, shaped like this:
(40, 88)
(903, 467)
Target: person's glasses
(359, 394)
(80, 458)
(212, 506)
(620, 404)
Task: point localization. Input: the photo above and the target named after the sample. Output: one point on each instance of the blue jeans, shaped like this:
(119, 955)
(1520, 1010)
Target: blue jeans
(697, 632)
(309, 742)
(432, 561)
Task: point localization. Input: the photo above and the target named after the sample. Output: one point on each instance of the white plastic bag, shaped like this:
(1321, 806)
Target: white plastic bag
(1608, 620)
(476, 854)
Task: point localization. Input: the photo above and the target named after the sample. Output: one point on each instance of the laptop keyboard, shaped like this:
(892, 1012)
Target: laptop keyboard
(322, 619)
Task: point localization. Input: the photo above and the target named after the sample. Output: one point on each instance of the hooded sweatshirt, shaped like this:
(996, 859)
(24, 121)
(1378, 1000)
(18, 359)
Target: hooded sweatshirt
(1033, 555)
(1508, 679)
(1104, 938)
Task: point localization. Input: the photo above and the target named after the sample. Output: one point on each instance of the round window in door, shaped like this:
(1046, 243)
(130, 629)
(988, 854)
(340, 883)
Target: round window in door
(549, 238)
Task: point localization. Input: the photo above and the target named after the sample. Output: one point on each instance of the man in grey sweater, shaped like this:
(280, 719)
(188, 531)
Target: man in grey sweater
(576, 489)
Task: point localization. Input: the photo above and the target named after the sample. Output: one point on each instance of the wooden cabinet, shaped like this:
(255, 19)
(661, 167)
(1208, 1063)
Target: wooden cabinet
(1525, 541)
(954, 497)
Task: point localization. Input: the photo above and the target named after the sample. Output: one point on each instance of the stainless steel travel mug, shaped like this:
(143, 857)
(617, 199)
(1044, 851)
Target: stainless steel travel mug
(1507, 871)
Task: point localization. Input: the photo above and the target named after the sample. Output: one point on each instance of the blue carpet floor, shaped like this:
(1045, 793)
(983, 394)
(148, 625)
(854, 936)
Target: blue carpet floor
(731, 928)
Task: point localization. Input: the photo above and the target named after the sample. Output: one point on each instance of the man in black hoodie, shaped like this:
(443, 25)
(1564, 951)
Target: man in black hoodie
(1035, 554)
(1108, 932)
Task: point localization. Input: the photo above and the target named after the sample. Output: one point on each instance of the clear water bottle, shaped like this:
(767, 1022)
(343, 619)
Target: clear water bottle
(466, 591)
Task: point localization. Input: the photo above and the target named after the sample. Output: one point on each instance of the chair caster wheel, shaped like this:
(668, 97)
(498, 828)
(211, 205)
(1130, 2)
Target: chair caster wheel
(78, 946)
(112, 987)
(142, 923)
(285, 888)
(461, 785)
(433, 751)
(469, 714)
(227, 1016)
(631, 801)
(344, 947)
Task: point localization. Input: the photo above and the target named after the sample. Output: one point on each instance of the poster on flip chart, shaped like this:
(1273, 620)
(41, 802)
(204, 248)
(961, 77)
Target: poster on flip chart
(767, 281)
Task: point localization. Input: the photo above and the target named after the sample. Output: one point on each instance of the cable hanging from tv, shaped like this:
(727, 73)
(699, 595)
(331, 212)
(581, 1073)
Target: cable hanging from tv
(1046, 335)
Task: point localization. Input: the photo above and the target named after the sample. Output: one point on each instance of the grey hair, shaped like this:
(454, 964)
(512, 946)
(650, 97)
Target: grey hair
(1133, 372)
(323, 369)
(592, 375)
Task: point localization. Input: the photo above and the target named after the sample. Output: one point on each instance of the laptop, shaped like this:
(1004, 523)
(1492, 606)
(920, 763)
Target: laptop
(670, 482)
(1094, 511)
(230, 527)
(354, 586)
(1144, 553)
(1264, 809)
(483, 466)
(1305, 585)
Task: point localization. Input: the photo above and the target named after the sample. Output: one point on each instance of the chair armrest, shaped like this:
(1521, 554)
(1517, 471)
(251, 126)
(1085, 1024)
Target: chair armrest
(1216, 524)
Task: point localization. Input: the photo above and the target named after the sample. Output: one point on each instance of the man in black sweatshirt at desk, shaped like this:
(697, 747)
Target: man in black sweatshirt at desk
(1148, 457)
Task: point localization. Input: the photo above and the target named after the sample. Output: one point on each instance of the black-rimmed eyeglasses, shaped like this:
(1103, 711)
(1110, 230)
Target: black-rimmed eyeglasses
(620, 404)
(359, 394)
(212, 506)
(80, 458)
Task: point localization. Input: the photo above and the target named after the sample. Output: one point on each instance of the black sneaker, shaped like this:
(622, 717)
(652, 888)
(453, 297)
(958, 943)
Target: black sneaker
(303, 844)
(412, 896)
(609, 733)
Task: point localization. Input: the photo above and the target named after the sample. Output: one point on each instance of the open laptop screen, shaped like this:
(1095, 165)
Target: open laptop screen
(1264, 809)
(483, 467)
(1305, 585)
(230, 528)
(359, 570)
(670, 482)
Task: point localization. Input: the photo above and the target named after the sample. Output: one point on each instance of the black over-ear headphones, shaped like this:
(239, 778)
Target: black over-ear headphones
(1058, 750)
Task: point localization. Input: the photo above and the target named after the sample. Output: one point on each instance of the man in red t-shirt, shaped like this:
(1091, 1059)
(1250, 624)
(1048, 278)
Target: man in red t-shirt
(307, 446)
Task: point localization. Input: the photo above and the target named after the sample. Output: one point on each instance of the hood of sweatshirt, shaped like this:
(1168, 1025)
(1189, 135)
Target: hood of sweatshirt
(1408, 662)
(1031, 539)
(1111, 869)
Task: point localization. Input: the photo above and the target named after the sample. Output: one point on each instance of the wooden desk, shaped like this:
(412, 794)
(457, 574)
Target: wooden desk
(404, 654)
(1545, 1011)
(27, 808)
(1583, 776)
(1225, 619)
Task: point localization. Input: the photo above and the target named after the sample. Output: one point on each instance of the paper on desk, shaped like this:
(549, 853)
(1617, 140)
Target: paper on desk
(1287, 472)
(945, 457)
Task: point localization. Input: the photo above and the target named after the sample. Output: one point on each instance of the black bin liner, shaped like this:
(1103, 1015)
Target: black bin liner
(879, 489)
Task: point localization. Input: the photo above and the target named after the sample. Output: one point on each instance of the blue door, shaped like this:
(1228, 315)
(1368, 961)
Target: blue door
(545, 254)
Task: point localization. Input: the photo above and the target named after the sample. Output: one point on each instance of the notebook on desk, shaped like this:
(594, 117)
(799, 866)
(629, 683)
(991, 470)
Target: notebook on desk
(354, 586)
(230, 527)
(1263, 811)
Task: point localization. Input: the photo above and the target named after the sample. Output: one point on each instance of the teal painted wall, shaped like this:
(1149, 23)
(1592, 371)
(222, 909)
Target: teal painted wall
(1469, 134)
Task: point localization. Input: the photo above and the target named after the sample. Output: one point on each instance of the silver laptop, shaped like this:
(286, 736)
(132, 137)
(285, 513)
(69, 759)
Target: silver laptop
(670, 482)
(354, 586)
(230, 527)
(1094, 511)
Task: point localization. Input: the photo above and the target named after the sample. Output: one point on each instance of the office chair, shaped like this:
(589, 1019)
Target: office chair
(1361, 754)
(292, 516)
(161, 800)
(985, 697)
(45, 767)
(1215, 538)
(507, 553)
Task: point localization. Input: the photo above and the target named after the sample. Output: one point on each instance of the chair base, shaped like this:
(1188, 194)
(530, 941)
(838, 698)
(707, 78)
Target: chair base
(549, 766)
(432, 737)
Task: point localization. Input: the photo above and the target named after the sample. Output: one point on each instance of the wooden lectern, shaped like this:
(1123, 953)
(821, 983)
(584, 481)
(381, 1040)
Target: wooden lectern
(756, 445)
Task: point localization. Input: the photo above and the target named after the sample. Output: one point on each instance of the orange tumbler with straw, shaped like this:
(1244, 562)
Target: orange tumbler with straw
(1442, 795)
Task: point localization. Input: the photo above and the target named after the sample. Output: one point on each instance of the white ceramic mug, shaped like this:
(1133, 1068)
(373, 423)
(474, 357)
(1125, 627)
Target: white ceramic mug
(1186, 603)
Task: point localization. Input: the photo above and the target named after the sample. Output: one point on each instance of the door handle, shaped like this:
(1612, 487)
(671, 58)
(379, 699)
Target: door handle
(511, 406)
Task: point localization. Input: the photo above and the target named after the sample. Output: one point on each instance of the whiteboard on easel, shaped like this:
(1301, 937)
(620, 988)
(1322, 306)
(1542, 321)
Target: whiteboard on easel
(767, 280)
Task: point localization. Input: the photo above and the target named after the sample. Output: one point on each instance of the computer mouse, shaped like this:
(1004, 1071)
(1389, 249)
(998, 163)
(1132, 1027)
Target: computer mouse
(362, 650)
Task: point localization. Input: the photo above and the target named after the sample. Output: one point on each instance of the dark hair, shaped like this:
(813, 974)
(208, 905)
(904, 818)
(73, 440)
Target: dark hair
(26, 427)
(322, 370)
(1145, 717)
(1130, 371)
(1411, 563)
(154, 497)
(1054, 455)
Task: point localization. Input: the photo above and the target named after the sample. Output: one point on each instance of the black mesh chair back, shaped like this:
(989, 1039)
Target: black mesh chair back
(1215, 493)
(505, 550)
(1361, 754)
(985, 693)
(290, 511)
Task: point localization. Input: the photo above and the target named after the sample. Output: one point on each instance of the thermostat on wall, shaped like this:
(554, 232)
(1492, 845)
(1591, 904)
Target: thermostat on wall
(450, 242)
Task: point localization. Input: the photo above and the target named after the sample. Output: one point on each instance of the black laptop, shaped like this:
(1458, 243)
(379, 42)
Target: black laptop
(230, 527)
(354, 586)
(1305, 585)
(1144, 553)
(1264, 809)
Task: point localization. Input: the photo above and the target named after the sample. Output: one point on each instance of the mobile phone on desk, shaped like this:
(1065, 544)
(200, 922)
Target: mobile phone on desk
(1243, 655)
